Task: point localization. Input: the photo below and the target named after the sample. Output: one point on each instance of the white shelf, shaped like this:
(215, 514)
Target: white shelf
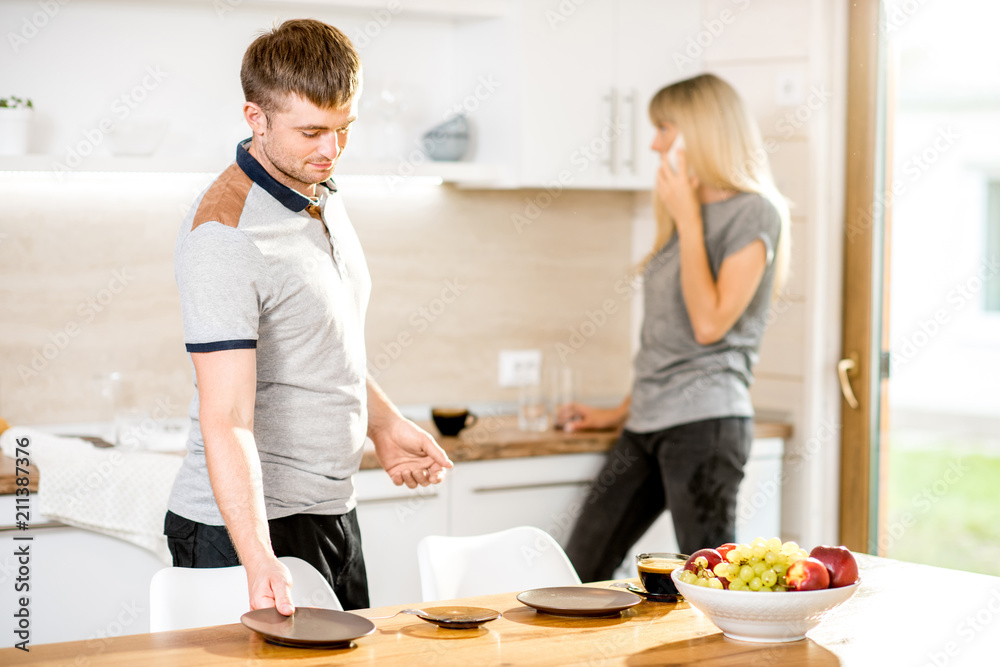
(448, 172)
(162, 165)
(462, 173)
(456, 9)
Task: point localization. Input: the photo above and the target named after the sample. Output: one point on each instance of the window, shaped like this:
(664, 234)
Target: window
(992, 250)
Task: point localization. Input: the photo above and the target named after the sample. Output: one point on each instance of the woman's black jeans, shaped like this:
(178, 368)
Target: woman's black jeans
(693, 469)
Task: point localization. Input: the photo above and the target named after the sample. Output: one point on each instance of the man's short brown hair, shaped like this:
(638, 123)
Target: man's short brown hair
(302, 56)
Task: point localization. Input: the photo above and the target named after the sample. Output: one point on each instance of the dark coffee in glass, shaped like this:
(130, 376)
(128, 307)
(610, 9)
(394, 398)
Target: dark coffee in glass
(655, 570)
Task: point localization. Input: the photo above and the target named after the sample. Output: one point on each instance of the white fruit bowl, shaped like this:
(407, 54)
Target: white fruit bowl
(764, 617)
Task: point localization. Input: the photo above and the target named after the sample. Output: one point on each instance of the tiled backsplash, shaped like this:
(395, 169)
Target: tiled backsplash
(87, 288)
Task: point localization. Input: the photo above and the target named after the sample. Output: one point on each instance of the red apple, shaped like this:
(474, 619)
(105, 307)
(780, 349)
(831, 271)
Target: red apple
(703, 559)
(725, 549)
(807, 574)
(839, 563)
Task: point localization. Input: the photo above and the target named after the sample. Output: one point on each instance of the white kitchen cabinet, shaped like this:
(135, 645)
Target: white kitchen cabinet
(83, 586)
(590, 70)
(393, 519)
(652, 38)
(568, 72)
(547, 492)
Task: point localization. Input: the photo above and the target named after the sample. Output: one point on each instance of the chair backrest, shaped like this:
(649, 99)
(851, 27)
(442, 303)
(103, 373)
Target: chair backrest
(184, 597)
(516, 559)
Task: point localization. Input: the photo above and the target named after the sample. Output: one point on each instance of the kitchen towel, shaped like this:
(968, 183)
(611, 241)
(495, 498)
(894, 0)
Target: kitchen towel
(108, 490)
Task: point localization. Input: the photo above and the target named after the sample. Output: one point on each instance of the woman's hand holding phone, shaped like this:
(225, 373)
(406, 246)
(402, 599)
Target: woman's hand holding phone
(677, 190)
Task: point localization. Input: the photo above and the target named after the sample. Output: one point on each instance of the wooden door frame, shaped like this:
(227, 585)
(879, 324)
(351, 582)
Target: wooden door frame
(863, 270)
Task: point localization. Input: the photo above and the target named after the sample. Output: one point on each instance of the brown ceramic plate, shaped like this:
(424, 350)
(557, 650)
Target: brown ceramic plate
(308, 627)
(579, 600)
(459, 618)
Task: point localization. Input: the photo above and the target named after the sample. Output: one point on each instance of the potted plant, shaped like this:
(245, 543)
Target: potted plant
(15, 120)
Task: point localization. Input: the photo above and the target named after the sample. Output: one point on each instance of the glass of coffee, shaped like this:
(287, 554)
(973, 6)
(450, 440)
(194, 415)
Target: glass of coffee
(655, 570)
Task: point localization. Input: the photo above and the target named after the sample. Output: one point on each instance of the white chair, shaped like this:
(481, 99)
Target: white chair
(185, 597)
(516, 559)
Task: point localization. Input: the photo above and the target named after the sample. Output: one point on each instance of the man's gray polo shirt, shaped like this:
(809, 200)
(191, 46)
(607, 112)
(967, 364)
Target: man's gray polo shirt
(259, 265)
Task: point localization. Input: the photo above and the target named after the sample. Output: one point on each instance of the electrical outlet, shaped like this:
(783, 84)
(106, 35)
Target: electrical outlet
(520, 367)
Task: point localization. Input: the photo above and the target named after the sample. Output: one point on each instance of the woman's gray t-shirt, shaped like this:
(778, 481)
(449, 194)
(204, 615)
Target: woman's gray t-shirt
(678, 380)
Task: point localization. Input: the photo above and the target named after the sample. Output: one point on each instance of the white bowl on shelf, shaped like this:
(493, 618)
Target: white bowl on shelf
(764, 617)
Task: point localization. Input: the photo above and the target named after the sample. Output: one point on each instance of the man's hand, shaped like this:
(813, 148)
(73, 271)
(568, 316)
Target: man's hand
(409, 454)
(270, 585)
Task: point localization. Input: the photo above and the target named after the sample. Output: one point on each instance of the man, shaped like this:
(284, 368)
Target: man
(274, 287)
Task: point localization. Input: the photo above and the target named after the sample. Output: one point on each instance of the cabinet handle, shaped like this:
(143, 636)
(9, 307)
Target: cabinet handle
(47, 524)
(633, 123)
(396, 499)
(612, 162)
(528, 487)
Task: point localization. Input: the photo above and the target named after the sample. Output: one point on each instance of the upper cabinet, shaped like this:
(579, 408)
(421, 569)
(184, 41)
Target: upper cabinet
(590, 71)
(556, 91)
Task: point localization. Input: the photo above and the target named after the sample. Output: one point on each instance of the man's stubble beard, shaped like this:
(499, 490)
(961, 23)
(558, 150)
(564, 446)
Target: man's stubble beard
(280, 165)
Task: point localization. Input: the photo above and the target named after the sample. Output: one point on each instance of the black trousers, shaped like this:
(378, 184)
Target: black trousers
(693, 469)
(329, 542)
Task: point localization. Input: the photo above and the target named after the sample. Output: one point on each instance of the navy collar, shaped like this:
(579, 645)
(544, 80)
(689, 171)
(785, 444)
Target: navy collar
(289, 198)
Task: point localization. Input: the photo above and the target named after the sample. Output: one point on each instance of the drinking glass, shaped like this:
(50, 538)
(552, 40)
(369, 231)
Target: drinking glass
(532, 408)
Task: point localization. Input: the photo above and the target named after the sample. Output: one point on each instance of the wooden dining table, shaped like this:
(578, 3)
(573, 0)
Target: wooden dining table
(902, 614)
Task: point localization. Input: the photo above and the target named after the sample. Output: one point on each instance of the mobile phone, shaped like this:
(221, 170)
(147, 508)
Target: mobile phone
(672, 152)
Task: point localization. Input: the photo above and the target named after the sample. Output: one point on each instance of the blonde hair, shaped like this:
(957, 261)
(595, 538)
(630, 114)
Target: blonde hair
(724, 151)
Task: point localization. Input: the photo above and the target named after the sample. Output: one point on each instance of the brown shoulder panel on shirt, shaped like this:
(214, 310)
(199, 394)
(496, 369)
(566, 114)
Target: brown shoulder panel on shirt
(224, 200)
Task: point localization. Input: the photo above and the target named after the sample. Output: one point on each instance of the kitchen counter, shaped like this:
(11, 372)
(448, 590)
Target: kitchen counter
(500, 438)
(495, 437)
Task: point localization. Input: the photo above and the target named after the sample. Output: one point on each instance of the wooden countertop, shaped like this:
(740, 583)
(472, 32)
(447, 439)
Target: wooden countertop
(498, 437)
(494, 437)
(903, 614)
(8, 476)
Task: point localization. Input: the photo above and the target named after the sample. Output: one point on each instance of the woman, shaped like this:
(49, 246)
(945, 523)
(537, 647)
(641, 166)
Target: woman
(720, 252)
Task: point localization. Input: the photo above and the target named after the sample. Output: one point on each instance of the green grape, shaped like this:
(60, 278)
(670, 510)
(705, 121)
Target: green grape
(768, 578)
(733, 556)
(758, 541)
(715, 583)
(701, 581)
(688, 577)
(746, 573)
(721, 569)
(770, 557)
(780, 589)
(765, 589)
(734, 572)
(802, 553)
(759, 567)
(780, 567)
(754, 584)
(738, 585)
(789, 548)
(701, 562)
(759, 551)
(774, 544)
